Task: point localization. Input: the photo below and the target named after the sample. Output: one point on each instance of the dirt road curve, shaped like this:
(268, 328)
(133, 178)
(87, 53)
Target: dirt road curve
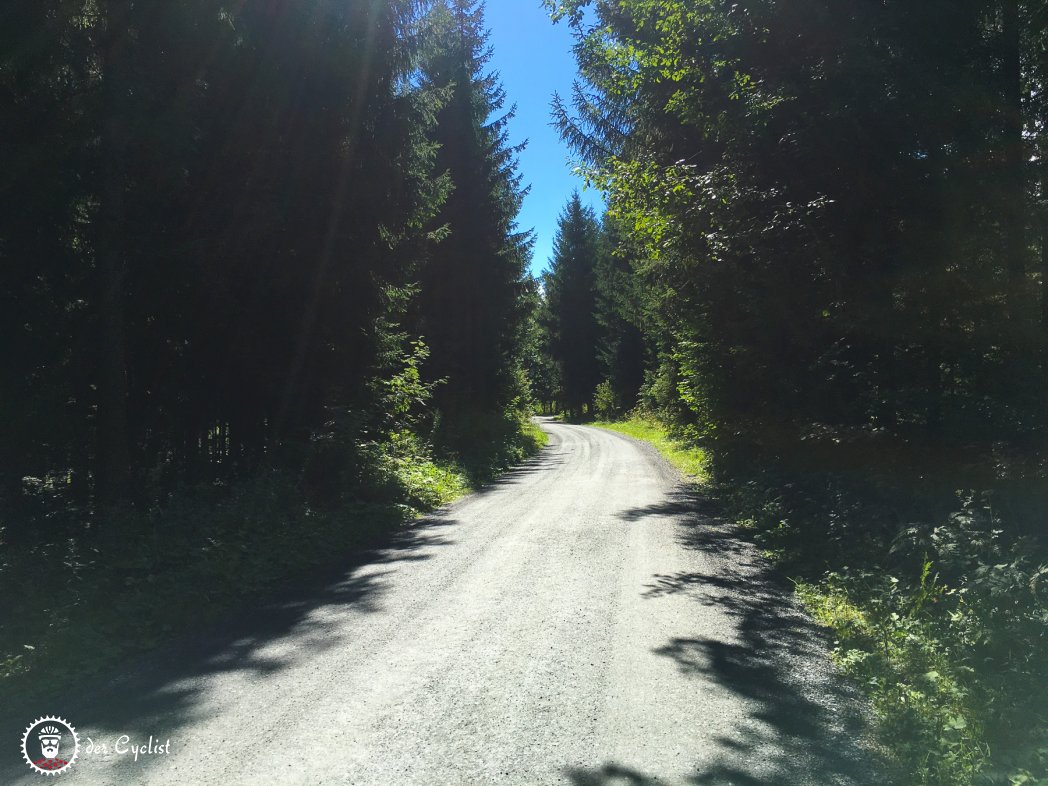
(582, 622)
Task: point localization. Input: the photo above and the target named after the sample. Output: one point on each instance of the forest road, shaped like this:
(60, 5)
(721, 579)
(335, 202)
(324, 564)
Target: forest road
(584, 621)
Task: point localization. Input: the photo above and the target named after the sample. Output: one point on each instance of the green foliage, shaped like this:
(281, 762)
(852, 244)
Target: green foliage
(405, 394)
(472, 305)
(534, 438)
(404, 469)
(945, 630)
(570, 308)
(891, 648)
(835, 227)
(487, 443)
(605, 402)
(951, 680)
(692, 461)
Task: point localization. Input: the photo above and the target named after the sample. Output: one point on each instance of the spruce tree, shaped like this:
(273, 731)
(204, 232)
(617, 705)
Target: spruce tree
(620, 299)
(212, 224)
(471, 306)
(571, 296)
(539, 366)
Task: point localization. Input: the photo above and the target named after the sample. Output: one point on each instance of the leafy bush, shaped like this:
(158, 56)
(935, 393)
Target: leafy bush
(605, 402)
(888, 642)
(403, 468)
(946, 628)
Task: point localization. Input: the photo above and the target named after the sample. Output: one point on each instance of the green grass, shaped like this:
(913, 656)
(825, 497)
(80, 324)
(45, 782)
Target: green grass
(690, 460)
(420, 481)
(928, 722)
(942, 627)
(535, 437)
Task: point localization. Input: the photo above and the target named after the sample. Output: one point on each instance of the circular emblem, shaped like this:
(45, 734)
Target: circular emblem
(50, 745)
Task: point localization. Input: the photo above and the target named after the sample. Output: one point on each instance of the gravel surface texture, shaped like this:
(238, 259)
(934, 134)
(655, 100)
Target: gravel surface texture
(584, 621)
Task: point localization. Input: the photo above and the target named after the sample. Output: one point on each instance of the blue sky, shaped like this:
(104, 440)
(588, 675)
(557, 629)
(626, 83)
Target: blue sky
(533, 57)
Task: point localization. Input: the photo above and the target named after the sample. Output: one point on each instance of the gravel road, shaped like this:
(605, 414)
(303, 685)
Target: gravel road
(585, 621)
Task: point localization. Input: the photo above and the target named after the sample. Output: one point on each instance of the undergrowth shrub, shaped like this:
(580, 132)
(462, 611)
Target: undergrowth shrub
(85, 591)
(605, 402)
(944, 625)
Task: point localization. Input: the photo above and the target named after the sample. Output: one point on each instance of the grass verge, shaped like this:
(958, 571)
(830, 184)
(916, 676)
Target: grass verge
(690, 460)
(536, 438)
(78, 604)
(944, 625)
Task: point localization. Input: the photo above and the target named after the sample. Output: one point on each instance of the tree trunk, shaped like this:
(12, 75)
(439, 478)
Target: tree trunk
(112, 464)
(1014, 218)
(1044, 197)
(1044, 276)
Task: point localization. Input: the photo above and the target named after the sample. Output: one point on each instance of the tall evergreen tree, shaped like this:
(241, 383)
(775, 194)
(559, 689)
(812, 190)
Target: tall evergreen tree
(539, 366)
(46, 93)
(571, 302)
(620, 305)
(471, 305)
(746, 163)
(212, 223)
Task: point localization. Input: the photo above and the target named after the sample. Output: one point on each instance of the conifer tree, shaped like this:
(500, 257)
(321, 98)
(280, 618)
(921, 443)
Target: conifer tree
(571, 295)
(471, 305)
(212, 224)
(620, 304)
(539, 366)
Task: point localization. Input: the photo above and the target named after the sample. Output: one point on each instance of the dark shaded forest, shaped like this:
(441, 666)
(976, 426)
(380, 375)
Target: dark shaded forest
(224, 235)
(825, 263)
(262, 293)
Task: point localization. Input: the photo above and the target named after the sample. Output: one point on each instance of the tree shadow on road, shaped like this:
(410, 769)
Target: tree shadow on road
(164, 691)
(540, 464)
(804, 724)
(610, 775)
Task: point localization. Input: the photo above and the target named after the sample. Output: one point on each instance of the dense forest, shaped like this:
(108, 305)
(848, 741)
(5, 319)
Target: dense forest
(827, 228)
(263, 293)
(224, 235)
(261, 290)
